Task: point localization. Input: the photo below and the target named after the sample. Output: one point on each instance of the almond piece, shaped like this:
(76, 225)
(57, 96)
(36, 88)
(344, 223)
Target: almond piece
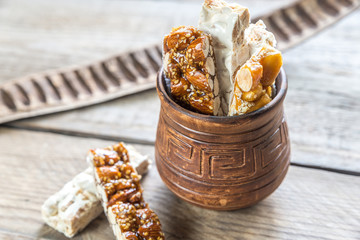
(198, 79)
(211, 84)
(210, 66)
(198, 50)
(179, 38)
(265, 99)
(243, 79)
(216, 86)
(166, 62)
(179, 87)
(199, 104)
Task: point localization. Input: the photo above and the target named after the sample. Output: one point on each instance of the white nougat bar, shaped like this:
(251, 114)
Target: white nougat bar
(257, 40)
(72, 208)
(226, 23)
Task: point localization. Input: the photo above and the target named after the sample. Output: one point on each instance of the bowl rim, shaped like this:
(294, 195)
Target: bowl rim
(280, 82)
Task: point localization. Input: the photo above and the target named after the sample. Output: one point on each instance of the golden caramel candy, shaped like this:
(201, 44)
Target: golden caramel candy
(197, 78)
(250, 74)
(264, 99)
(253, 95)
(179, 38)
(252, 87)
(271, 67)
(189, 64)
(117, 183)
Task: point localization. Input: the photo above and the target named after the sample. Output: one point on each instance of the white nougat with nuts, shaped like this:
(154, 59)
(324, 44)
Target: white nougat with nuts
(256, 37)
(236, 41)
(258, 69)
(73, 207)
(226, 23)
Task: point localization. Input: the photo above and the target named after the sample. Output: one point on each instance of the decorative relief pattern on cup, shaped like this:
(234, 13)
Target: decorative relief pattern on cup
(271, 150)
(181, 154)
(224, 162)
(228, 163)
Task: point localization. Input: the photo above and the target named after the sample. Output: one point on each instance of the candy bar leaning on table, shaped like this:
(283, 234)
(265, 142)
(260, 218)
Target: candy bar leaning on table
(118, 186)
(73, 207)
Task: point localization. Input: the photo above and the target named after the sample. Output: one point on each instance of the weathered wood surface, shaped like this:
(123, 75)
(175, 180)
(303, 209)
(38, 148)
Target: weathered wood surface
(310, 204)
(322, 108)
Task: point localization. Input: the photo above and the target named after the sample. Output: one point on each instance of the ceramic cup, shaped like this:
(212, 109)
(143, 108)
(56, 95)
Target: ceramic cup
(222, 163)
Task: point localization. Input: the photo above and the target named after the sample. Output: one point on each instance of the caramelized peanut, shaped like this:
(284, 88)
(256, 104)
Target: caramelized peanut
(197, 78)
(198, 50)
(179, 87)
(179, 38)
(265, 99)
(107, 173)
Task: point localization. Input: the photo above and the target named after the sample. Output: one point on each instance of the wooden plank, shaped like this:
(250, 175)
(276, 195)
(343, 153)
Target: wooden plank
(132, 117)
(310, 204)
(322, 105)
(9, 236)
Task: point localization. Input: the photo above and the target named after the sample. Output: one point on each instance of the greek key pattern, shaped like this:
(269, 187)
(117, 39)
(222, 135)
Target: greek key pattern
(234, 162)
(269, 152)
(228, 163)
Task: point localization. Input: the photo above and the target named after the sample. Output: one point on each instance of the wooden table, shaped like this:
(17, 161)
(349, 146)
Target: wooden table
(320, 197)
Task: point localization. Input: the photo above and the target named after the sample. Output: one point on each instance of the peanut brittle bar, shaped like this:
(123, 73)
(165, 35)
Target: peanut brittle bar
(118, 186)
(190, 65)
(72, 208)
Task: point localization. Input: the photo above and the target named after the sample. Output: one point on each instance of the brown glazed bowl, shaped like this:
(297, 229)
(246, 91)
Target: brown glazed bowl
(222, 163)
